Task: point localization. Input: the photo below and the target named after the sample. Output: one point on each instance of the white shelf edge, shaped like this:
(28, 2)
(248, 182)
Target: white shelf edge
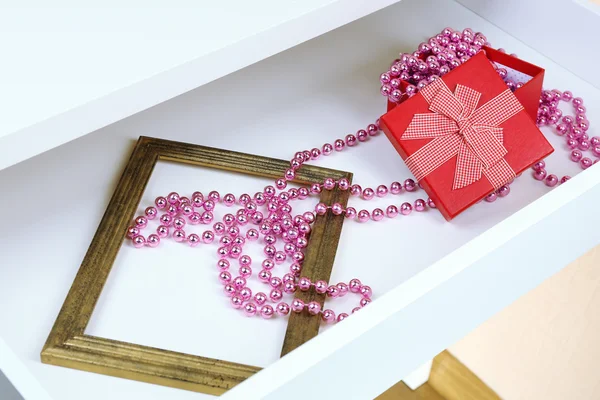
(86, 118)
(366, 335)
(19, 376)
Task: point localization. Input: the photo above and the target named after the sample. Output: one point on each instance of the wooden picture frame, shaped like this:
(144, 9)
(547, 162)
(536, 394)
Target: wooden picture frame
(68, 345)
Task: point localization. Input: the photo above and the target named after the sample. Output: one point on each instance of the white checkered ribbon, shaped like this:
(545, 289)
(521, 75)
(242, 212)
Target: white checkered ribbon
(460, 129)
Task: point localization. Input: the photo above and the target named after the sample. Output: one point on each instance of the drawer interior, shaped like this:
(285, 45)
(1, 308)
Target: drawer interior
(302, 98)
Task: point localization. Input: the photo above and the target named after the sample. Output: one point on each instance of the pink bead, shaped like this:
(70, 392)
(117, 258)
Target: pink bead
(596, 150)
(366, 291)
(275, 282)
(250, 309)
(332, 291)
(283, 309)
(237, 302)
(160, 202)
(133, 231)
(173, 198)
(239, 282)
(309, 217)
(567, 95)
(321, 209)
(584, 145)
(225, 277)
(214, 196)
(355, 190)
(420, 205)
(223, 251)
(490, 198)
(304, 284)
(178, 223)
(539, 175)
(245, 260)
(179, 235)
(245, 293)
(298, 256)
(329, 183)
(503, 191)
(391, 211)
(235, 251)
(572, 143)
(351, 140)
(339, 145)
(151, 212)
(267, 311)
(139, 241)
(162, 231)
(275, 295)
(327, 149)
(296, 268)
(551, 180)
(362, 135)
(431, 203)
(350, 212)
(328, 316)
(343, 184)
(539, 165)
(585, 163)
(354, 285)
(564, 179)
(321, 287)
(396, 187)
(141, 222)
(342, 288)
(289, 287)
(561, 129)
(377, 214)
(229, 290)
(405, 208)
(280, 183)
(368, 194)
(264, 275)
(315, 154)
(576, 155)
(342, 317)
(313, 308)
(229, 199)
(223, 264)
(153, 240)
(364, 302)
(372, 129)
(209, 205)
(410, 185)
(297, 305)
(363, 216)
(382, 190)
(315, 188)
(260, 298)
(206, 217)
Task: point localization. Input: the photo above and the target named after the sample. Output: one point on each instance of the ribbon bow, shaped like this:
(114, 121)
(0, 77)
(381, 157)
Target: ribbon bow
(460, 129)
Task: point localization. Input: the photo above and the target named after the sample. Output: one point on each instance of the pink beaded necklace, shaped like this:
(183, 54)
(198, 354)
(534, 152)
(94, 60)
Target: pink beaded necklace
(270, 211)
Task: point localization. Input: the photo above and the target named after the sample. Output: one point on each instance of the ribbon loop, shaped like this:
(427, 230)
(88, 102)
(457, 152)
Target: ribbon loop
(458, 128)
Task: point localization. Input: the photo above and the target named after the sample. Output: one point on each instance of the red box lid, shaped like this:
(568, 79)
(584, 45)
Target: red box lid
(522, 139)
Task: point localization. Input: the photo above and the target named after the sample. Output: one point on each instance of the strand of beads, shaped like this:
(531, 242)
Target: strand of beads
(279, 226)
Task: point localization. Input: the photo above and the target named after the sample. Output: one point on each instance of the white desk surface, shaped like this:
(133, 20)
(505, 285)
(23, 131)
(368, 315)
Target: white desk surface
(69, 67)
(301, 98)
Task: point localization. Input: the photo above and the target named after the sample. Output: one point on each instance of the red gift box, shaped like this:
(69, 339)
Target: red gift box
(467, 134)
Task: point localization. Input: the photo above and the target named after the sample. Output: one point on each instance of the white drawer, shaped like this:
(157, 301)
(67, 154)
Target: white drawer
(434, 281)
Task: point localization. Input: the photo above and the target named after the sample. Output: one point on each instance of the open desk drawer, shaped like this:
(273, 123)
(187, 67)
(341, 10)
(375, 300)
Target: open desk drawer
(433, 281)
